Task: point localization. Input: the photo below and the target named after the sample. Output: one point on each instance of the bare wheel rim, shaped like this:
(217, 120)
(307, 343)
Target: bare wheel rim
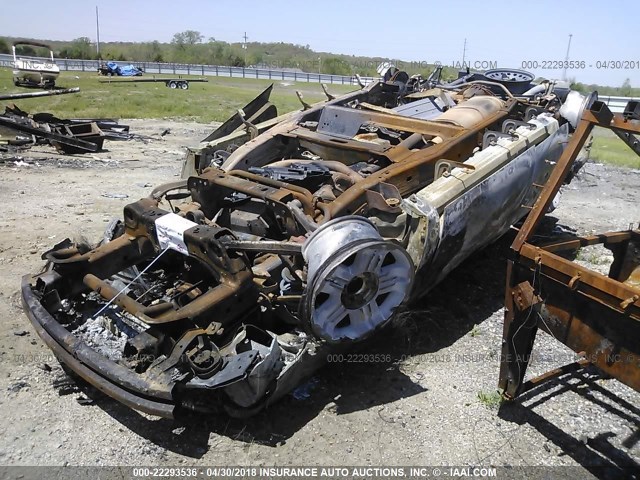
(359, 290)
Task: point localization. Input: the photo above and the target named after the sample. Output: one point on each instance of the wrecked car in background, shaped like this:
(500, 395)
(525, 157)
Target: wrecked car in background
(112, 68)
(293, 237)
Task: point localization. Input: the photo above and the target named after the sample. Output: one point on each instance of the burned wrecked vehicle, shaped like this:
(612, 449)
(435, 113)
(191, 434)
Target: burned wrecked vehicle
(221, 291)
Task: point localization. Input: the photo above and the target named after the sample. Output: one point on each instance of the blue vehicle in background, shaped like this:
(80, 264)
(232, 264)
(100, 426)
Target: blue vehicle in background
(110, 69)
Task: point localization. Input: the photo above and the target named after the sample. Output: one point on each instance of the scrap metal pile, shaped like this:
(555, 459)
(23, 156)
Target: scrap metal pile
(295, 236)
(68, 136)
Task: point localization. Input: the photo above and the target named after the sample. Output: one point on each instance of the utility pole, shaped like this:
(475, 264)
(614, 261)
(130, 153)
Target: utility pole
(97, 33)
(319, 65)
(566, 59)
(464, 52)
(244, 47)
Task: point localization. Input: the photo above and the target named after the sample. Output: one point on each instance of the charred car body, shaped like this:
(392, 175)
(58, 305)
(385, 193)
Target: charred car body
(220, 292)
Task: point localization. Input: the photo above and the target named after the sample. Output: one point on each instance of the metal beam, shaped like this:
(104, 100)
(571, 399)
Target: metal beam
(46, 93)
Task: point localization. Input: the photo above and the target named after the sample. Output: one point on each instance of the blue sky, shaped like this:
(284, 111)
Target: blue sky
(507, 33)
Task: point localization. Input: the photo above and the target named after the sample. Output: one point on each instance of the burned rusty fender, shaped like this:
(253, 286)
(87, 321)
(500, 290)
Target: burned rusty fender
(222, 291)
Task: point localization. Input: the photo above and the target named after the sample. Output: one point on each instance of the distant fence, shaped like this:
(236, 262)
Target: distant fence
(616, 104)
(205, 71)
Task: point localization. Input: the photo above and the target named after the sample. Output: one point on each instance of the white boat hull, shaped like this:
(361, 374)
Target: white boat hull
(31, 71)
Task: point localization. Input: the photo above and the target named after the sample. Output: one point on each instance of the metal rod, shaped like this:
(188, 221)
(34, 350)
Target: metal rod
(46, 93)
(282, 247)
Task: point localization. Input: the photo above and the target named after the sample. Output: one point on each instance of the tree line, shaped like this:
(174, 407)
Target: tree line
(190, 46)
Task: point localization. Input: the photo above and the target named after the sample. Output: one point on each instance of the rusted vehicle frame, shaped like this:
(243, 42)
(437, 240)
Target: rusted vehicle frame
(228, 287)
(596, 316)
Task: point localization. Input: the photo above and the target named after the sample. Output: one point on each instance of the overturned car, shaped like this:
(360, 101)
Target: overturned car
(221, 291)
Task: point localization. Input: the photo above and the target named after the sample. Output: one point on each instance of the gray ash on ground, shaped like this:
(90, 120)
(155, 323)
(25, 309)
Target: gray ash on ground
(99, 334)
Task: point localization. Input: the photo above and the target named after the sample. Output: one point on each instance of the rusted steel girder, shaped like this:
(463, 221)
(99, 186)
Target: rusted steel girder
(596, 316)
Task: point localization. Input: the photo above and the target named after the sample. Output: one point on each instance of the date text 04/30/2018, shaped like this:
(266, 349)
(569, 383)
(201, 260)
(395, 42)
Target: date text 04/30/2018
(580, 64)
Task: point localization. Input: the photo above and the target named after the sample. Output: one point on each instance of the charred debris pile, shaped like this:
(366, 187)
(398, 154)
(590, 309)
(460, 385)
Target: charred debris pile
(21, 130)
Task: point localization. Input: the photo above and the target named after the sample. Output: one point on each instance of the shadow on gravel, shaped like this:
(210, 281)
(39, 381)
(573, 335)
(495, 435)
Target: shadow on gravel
(596, 454)
(332, 389)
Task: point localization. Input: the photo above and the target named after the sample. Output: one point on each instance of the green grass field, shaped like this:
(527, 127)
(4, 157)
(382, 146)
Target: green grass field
(608, 148)
(213, 101)
(203, 102)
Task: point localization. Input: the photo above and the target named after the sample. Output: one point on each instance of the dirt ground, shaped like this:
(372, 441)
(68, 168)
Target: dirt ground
(423, 407)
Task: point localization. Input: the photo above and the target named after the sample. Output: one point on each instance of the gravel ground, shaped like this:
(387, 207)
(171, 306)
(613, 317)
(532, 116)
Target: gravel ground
(423, 406)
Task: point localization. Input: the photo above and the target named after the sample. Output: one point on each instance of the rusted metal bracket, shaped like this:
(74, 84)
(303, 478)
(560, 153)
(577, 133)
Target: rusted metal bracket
(524, 296)
(326, 92)
(251, 129)
(257, 110)
(305, 105)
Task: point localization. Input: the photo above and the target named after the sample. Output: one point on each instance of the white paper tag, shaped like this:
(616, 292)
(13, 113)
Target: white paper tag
(170, 229)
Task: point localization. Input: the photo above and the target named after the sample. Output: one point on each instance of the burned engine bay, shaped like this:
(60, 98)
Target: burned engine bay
(222, 291)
